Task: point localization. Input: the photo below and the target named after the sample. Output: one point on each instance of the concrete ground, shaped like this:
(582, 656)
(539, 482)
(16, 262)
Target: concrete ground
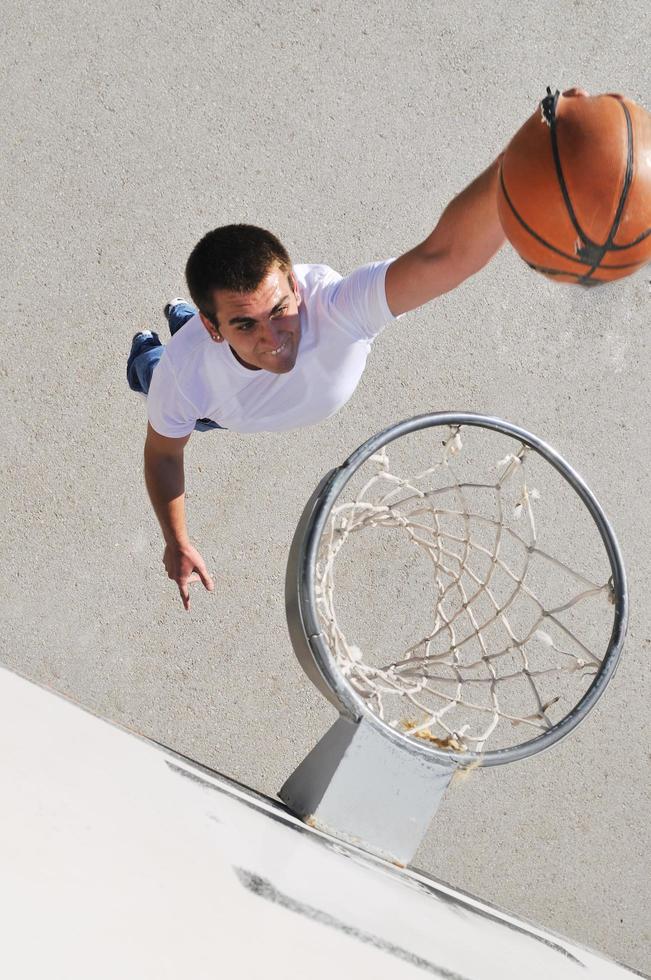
(130, 130)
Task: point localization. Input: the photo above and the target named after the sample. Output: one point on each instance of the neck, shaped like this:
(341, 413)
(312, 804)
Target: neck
(243, 363)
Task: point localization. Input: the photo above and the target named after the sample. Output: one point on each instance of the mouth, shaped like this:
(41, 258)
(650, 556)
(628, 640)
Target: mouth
(280, 350)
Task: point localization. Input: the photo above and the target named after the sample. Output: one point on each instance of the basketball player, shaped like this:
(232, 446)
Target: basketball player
(271, 346)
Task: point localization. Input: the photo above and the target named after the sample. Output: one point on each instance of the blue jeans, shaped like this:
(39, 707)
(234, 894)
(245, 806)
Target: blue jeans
(147, 350)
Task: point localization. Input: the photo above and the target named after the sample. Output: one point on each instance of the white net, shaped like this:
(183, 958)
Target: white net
(512, 634)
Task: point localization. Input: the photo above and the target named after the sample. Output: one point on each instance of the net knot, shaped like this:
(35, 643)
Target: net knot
(548, 107)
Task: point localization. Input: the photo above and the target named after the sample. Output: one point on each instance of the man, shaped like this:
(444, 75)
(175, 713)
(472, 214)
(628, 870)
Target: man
(274, 346)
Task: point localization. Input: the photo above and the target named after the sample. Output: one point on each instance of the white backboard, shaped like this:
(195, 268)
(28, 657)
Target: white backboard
(121, 859)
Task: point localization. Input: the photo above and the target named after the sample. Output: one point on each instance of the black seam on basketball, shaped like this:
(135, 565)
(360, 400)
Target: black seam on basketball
(552, 272)
(612, 247)
(586, 280)
(533, 233)
(622, 265)
(542, 241)
(628, 178)
(589, 250)
(636, 241)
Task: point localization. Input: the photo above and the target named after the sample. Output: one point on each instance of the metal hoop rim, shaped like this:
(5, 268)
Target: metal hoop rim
(301, 598)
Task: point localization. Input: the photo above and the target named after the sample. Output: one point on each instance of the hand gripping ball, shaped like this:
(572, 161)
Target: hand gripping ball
(574, 193)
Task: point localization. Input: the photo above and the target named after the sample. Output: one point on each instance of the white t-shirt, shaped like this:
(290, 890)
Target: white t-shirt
(199, 379)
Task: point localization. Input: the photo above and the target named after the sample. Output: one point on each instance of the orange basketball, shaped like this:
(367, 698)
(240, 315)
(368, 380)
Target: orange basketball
(575, 188)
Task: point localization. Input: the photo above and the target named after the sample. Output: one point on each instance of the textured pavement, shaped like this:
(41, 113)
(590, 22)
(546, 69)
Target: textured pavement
(345, 128)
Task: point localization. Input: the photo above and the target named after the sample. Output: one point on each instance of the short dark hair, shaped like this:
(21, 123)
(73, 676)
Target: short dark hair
(235, 257)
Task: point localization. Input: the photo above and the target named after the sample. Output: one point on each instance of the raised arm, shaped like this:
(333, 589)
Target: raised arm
(466, 237)
(165, 480)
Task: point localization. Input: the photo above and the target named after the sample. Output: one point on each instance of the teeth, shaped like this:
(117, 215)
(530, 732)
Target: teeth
(278, 349)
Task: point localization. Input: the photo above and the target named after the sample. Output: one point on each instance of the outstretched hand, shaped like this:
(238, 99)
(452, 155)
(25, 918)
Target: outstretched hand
(184, 565)
(576, 91)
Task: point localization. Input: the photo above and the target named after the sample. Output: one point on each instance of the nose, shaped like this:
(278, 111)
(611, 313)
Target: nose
(272, 334)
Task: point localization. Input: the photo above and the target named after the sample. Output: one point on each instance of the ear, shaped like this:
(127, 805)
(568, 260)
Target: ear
(211, 328)
(293, 283)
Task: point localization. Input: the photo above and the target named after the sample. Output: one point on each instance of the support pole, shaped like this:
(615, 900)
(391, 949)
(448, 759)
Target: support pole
(359, 785)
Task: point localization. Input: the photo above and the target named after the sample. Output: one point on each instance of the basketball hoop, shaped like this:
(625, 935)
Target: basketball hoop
(524, 620)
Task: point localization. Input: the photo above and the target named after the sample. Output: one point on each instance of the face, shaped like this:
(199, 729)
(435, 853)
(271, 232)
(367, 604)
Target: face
(262, 328)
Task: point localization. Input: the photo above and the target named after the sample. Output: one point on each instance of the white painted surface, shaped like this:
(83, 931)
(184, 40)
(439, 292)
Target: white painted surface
(120, 859)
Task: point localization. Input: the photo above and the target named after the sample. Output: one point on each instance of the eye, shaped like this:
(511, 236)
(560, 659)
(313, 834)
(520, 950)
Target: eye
(281, 311)
(246, 327)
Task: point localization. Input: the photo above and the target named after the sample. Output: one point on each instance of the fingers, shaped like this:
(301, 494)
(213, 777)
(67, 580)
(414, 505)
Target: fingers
(581, 93)
(201, 572)
(184, 593)
(571, 93)
(185, 567)
(199, 575)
